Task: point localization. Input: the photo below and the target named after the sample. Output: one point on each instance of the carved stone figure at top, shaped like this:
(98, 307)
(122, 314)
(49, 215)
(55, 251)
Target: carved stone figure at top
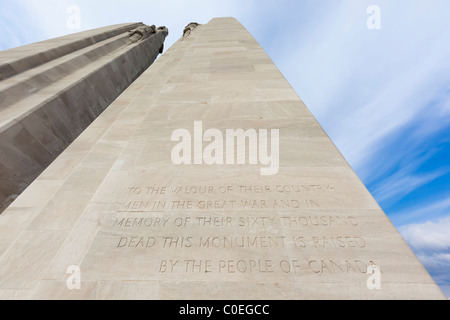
(142, 33)
(189, 28)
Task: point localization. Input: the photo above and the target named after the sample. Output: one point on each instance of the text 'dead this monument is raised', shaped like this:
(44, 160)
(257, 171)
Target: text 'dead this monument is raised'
(207, 178)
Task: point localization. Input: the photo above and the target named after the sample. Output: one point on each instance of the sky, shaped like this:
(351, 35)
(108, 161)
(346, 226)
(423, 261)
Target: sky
(375, 74)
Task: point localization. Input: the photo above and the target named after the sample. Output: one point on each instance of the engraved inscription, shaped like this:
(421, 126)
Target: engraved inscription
(235, 242)
(283, 221)
(264, 266)
(211, 234)
(191, 197)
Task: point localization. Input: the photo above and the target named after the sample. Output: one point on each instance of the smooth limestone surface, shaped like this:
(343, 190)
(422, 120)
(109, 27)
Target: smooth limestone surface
(133, 225)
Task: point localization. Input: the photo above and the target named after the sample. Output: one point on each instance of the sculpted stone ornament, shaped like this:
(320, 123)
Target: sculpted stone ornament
(165, 31)
(141, 33)
(189, 28)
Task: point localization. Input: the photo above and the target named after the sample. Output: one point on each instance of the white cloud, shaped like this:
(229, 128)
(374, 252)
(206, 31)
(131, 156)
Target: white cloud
(17, 27)
(432, 236)
(431, 243)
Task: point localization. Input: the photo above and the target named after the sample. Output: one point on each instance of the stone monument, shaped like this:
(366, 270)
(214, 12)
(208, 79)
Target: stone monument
(207, 178)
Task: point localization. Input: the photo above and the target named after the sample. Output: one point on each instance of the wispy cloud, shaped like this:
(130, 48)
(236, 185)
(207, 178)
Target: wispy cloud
(403, 182)
(381, 95)
(17, 26)
(364, 85)
(424, 213)
(52, 14)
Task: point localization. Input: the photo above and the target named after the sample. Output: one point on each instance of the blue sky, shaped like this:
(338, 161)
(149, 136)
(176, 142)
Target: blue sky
(382, 95)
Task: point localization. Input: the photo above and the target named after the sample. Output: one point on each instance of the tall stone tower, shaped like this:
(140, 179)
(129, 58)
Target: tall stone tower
(52, 90)
(207, 178)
